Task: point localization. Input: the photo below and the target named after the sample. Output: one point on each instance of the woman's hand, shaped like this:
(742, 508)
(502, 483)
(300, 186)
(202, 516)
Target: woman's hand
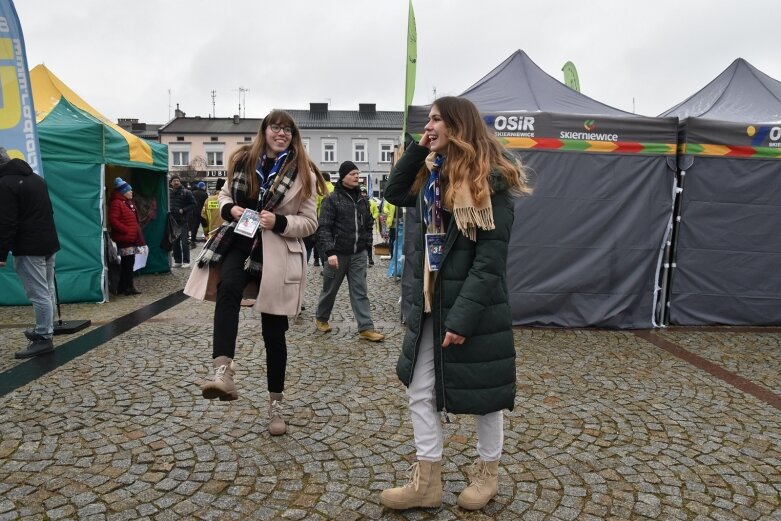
(236, 212)
(267, 219)
(424, 141)
(452, 338)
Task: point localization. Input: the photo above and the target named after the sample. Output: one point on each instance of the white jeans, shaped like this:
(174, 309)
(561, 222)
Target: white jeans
(426, 423)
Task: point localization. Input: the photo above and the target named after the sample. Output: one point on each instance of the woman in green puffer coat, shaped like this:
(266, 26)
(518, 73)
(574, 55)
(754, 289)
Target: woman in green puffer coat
(458, 354)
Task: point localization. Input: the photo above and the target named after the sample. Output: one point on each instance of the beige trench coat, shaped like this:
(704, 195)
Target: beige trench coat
(283, 282)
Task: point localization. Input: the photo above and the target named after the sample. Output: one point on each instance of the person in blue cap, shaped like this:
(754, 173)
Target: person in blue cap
(126, 232)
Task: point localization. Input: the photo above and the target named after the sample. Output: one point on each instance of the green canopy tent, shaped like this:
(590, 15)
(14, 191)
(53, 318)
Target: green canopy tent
(82, 152)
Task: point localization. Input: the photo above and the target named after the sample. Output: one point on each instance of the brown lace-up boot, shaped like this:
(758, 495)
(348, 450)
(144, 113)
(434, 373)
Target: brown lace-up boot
(276, 419)
(483, 485)
(424, 489)
(222, 385)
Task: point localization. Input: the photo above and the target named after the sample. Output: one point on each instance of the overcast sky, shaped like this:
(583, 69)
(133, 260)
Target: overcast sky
(123, 57)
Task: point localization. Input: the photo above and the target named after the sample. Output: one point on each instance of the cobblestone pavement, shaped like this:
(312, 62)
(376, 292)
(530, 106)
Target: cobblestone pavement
(606, 425)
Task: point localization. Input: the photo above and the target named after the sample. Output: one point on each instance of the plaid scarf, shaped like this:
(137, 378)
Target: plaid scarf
(272, 191)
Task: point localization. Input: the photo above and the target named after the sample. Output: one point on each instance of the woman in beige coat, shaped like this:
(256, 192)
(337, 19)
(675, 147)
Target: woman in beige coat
(271, 176)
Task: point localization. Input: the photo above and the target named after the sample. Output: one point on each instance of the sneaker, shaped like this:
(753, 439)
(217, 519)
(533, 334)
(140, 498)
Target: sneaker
(322, 326)
(371, 262)
(371, 335)
(40, 345)
(176, 265)
(185, 265)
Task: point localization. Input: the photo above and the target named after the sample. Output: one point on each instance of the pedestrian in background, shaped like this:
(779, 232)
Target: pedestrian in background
(200, 196)
(27, 230)
(271, 176)
(126, 232)
(210, 213)
(182, 207)
(375, 212)
(329, 188)
(458, 354)
(343, 235)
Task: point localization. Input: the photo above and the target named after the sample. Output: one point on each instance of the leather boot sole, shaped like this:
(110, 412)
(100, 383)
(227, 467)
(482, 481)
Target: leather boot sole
(211, 393)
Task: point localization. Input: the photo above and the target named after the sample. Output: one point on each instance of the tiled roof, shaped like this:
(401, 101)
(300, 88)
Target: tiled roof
(200, 125)
(305, 119)
(336, 119)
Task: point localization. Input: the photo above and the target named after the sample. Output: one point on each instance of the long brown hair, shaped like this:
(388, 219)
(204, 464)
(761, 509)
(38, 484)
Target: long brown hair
(246, 157)
(473, 152)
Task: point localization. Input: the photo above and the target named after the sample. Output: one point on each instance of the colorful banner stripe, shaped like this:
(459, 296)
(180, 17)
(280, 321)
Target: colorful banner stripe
(614, 147)
(696, 149)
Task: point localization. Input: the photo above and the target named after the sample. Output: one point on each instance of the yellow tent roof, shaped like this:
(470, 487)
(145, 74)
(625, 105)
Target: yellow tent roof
(48, 89)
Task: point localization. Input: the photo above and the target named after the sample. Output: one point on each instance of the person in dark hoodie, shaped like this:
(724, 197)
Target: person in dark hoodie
(344, 233)
(27, 230)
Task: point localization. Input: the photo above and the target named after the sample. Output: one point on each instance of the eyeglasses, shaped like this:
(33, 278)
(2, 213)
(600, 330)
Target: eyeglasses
(276, 129)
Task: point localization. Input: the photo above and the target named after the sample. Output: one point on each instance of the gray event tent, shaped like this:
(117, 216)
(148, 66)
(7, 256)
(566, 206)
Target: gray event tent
(728, 244)
(587, 246)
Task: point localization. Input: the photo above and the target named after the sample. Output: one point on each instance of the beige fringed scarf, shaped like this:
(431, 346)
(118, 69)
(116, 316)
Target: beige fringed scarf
(469, 217)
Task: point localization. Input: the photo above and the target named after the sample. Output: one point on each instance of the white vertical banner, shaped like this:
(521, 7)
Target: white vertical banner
(18, 132)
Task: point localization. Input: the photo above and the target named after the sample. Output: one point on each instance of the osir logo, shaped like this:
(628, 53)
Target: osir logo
(590, 125)
(759, 135)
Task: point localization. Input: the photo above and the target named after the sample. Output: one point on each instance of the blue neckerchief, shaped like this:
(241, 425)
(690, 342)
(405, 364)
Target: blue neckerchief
(266, 181)
(432, 196)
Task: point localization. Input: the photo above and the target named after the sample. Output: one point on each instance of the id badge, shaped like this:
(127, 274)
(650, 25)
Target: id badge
(435, 250)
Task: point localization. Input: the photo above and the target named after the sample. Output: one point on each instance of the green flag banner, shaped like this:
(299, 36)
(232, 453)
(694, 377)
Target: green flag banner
(571, 76)
(412, 61)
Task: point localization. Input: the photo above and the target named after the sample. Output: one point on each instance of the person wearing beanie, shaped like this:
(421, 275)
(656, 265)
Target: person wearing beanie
(126, 232)
(200, 195)
(346, 168)
(344, 234)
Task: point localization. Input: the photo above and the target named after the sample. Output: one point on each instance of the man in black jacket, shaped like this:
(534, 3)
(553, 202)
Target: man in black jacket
(200, 196)
(182, 206)
(344, 233)
(27, 230)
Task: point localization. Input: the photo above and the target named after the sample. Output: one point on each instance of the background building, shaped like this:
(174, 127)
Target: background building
(199, 148)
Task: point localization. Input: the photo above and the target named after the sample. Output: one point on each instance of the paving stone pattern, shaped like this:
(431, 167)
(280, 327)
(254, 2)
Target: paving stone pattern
(606, 425)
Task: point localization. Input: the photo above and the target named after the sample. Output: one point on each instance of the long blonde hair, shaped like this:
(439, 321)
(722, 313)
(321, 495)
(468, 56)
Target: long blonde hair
(473, 152)
(246, 157)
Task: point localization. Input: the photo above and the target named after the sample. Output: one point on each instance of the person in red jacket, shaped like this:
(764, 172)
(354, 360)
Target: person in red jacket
(126, 232)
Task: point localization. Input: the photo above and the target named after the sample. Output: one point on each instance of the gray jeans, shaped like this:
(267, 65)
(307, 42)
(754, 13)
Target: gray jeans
(354, 266)
(37, 276)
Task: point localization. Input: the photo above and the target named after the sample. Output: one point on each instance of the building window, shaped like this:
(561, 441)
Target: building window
(386, 151)
(215, 138)
(180, 138)
(247, 138)
(214, 159)
(306, 144)
(180, 158)
(329, 151)
(359, 151)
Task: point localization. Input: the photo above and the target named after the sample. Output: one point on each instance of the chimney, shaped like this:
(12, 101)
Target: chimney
(367, 108)
(235, 119)
(178, 113)
(318, 107)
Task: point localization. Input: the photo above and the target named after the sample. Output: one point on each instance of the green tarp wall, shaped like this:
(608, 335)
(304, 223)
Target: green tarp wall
(75, 147)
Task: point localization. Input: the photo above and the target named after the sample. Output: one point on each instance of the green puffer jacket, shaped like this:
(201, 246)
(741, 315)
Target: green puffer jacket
(470, 299)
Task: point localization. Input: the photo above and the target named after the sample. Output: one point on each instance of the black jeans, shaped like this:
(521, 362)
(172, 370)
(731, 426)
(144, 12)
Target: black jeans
(126, 273)
(233, 280)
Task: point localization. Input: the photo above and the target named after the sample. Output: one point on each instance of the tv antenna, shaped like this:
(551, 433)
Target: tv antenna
(243, 101)
(214, 96)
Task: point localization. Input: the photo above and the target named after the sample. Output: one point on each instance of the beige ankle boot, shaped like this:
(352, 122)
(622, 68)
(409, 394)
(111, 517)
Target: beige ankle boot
(483, 485)
(276, 421)
(222, 385)
(424, 489)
